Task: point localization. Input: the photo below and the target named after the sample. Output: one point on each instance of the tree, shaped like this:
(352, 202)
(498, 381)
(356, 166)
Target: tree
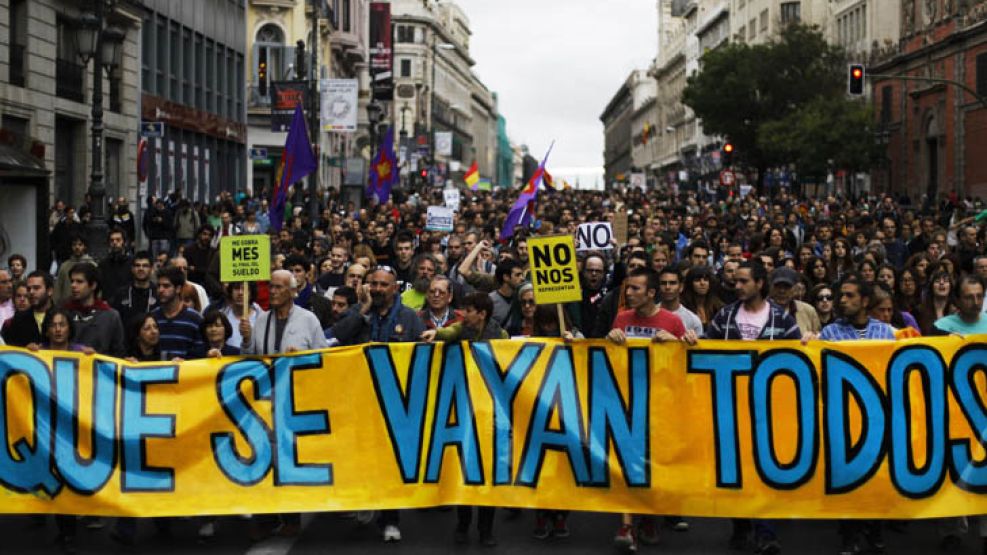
(826, 133)
(744, 92)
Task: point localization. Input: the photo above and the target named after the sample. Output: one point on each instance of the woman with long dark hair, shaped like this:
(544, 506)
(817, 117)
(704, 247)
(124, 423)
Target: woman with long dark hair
(842, 262)
(821, 298)
(817, 272)
(936, 303)
(700, 294)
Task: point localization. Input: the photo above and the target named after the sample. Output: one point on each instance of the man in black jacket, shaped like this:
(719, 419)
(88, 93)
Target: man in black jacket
(138, 297)
(114, 269)
(25, 326)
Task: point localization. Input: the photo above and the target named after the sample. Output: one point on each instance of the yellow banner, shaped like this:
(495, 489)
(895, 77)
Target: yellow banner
(766, 429)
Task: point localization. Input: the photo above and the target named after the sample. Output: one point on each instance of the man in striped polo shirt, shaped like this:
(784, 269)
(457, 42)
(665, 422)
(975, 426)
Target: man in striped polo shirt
(178, 325)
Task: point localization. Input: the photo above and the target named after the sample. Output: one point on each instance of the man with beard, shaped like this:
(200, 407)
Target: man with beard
(381, 318)
(343, 298)
(138, 297)
(25, 326)
(425, 267)
(114, 268)
(307, 297)
(728, 283)
(96, 324)
(199, 255)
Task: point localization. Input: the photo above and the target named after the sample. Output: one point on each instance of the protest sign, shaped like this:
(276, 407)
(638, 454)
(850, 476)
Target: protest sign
(554, 272)
(439, 218)
(245, 258)
(763, 429)
(451, 197)
(594, 236)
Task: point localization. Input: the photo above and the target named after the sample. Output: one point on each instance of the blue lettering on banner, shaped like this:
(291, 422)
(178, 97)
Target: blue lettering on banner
(625, 424)
(404, 413)
(558, 393)
(723, 369)
(906, 477)
(850, 464)
(503, 388)
(290, 424)
(31, 469)
(963, 470)
(454, 424)
(136, 425)
(243, 470)
(85, 476)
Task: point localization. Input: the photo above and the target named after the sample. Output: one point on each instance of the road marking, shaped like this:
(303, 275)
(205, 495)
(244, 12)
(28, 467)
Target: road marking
(279, 545)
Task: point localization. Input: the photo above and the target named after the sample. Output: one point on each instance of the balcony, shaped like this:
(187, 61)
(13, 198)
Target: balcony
(17, 65)
(69, 80)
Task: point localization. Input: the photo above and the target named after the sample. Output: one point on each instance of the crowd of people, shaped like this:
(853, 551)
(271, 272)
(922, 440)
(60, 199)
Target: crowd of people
(691, 266)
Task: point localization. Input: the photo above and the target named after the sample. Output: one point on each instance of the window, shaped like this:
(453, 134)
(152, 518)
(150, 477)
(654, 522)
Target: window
(886, 104)
(175, 39)
(741, 4)
(405, 68)
(113, 153)
(18, 41)
(199, 75)
(161, 38)
(752, 29)
(209, 103)
(270, 44)
(147, 54)
(188, 66)
(69, 73)
(240, 86)
(791, 12)
(16, 126)
(220, 88)
(742, 34)
(405, 33)
(982, 74)
(344, 15)
(764, 20)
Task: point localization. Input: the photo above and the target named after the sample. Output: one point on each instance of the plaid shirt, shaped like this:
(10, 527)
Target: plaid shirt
(842, 330)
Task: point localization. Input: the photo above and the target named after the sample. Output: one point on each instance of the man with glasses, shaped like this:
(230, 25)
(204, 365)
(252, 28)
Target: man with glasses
(438, 311)
(138, 297)
(593, 278)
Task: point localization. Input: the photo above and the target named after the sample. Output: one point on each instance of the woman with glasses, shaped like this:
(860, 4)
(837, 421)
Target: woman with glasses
(821, 298)
(521, 323)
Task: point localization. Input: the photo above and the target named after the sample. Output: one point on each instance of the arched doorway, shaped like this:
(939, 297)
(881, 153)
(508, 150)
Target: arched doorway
(931, 146)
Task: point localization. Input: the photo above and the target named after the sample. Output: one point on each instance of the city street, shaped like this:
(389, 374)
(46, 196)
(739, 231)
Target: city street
(431, 531)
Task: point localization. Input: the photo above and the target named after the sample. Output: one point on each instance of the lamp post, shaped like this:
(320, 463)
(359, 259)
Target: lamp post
(101, 45)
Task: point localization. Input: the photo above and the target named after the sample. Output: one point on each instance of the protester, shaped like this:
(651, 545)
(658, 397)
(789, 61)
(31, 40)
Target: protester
(96, 324)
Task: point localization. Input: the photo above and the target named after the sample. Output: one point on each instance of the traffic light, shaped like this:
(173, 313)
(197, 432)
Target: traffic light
(262, 72)
(726, 154)
(855, 80)
(424, 174)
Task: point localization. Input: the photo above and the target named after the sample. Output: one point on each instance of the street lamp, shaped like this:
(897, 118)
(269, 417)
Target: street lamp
(102, 46)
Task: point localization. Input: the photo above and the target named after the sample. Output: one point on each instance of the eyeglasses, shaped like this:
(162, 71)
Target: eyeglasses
(822, 298)
(527, 302)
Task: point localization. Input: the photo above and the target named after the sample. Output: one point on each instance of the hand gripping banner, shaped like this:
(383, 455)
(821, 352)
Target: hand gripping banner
(766, 429)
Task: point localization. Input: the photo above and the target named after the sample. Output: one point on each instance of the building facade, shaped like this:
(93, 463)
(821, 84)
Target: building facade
(933, 129)
(192, 68)
(617, 126)
(437, 91)
(46, 95)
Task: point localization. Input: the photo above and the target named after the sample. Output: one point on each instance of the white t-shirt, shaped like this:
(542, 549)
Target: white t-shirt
(750, 324)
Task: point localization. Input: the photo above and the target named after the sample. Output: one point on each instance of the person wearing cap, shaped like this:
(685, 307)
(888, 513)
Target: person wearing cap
(783, 282)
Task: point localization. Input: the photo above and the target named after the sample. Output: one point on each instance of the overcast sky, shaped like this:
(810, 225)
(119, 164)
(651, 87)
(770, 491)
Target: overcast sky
(556, 63)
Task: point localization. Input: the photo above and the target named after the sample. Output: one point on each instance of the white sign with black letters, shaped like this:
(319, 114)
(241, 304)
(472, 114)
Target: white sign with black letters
(594, 236)
(451, 197)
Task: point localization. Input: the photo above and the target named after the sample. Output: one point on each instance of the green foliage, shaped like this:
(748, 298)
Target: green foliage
(782, 101)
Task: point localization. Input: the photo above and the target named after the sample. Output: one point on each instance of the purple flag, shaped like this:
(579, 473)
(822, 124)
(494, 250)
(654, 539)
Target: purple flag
(297, 161)
(383, 170)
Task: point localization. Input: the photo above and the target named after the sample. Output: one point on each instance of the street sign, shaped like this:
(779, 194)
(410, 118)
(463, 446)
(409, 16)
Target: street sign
(258, 153)
(245, 258)
(554, 273)
(152, 129)
(727, 178)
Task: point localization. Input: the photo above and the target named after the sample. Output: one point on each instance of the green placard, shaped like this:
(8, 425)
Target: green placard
(245, 258)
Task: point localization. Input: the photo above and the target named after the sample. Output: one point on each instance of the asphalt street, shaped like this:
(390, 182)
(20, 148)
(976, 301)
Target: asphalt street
(430, 531)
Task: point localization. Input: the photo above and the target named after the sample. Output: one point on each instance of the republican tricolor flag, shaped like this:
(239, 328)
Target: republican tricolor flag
(524, 207)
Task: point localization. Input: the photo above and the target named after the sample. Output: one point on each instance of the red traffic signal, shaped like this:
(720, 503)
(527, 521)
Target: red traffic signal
(726, 154)
(855, 80)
